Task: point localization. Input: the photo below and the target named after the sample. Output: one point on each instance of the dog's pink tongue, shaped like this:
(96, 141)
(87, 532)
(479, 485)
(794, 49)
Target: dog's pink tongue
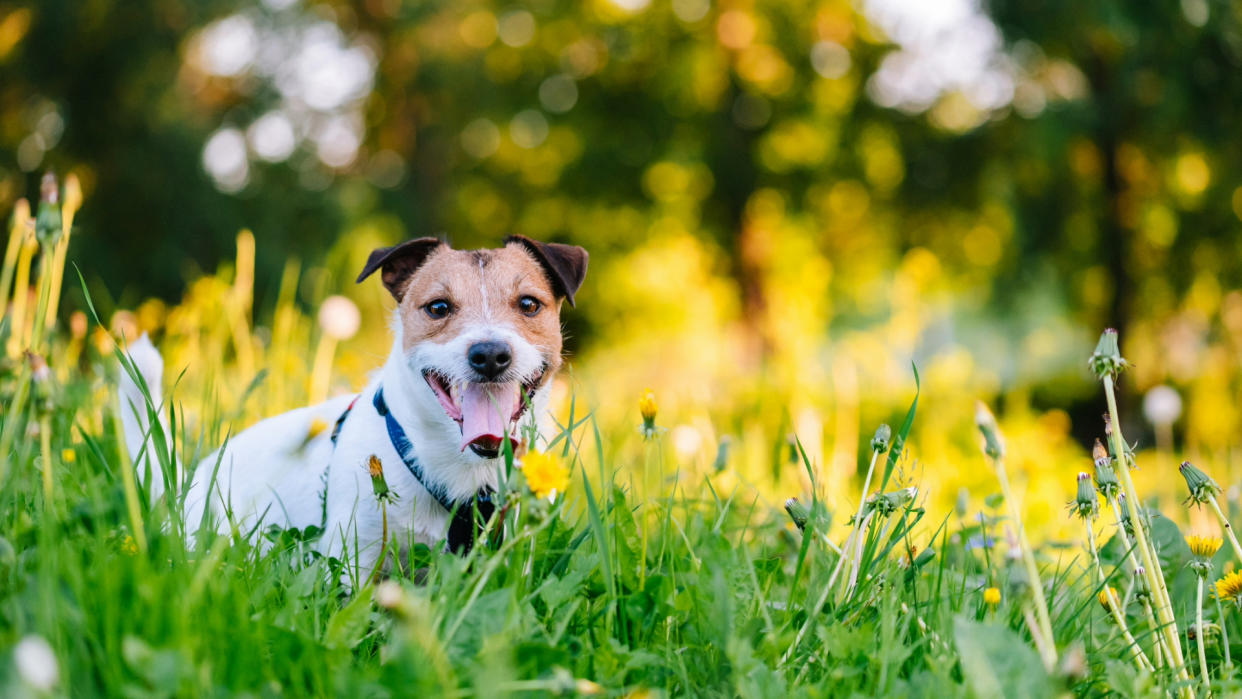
(485, 412)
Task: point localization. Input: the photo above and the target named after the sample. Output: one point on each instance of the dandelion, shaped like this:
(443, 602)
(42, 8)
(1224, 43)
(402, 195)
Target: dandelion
(384, 497)
(797, 512)
(1085, 505)
(1105, 598)
(1204, 546)
(68, 456)
(991, 596)
(1201, 486)
(36, 663)
(1204, 490)
(545, 474)
(1106, 363)
(1105, 477)
(647, 407)
(994, 449)
(375, 468)
(1230, 586)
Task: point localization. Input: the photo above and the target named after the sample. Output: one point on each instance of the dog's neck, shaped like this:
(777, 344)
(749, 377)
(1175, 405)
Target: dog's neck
(436, 439)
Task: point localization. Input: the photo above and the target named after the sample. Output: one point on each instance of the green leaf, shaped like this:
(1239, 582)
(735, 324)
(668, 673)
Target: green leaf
(996, 663)
(349, 624)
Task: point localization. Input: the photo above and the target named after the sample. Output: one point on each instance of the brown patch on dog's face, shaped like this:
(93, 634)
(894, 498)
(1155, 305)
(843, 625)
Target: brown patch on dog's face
(455, 291)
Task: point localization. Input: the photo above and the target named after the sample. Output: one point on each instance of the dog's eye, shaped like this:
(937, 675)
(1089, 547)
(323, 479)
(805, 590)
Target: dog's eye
(529, 306)
(438, 308)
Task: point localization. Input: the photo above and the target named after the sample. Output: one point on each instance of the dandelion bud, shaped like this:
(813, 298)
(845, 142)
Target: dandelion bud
(880, 442)
(889, 503)
(647, 408)
(376, 468)
(1201, 486)
(797, 512)
(1105, 477)
(47, 220)
(993, 443)
(1107, 361)
(1127, 524)
(1102, 597)
(1086, 505)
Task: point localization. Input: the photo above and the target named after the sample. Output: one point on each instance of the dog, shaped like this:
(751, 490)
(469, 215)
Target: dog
(478, 339)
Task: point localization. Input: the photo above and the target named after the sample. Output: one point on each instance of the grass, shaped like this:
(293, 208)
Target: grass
(627, 584)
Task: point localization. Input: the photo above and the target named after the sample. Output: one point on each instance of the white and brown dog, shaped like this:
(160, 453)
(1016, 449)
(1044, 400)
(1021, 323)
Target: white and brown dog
(478, 338)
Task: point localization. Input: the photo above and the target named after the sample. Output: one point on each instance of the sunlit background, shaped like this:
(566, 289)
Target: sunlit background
(787, 204)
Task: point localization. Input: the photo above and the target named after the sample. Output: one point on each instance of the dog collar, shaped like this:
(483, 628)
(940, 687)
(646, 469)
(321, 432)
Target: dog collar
(467, 517)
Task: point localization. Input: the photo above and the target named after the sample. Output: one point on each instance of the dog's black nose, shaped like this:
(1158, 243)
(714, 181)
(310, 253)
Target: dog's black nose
(490, 358)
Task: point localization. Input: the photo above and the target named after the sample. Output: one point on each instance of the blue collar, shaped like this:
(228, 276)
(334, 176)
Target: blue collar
(464, 526)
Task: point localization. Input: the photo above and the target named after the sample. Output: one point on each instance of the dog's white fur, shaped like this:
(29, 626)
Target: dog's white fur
(271, 474)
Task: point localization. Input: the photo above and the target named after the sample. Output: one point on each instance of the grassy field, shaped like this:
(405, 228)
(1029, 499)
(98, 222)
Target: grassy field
(639, 578)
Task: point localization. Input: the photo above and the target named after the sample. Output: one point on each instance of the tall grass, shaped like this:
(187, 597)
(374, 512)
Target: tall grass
(627, 583)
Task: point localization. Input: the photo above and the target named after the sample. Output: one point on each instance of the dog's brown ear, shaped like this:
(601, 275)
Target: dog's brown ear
(565, 265)
(399, 262)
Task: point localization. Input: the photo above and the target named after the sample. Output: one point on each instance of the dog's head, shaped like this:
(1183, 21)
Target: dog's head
(481, 327)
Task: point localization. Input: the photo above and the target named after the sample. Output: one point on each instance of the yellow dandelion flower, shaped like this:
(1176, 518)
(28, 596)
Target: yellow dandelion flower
(1204, 546)
(1230, 586)
(545, 474)
(68, 456)
(1103, 598)
(647, 405)
(317, 426)
(992, 596)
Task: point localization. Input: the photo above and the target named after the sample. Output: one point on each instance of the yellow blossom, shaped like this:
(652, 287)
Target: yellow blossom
(545, 474)
(1230, 586)
(128, 545)
(317, 426)
(647, 405)
(992, 596)
(1102, 597)
(1204, 546)
(68, 456)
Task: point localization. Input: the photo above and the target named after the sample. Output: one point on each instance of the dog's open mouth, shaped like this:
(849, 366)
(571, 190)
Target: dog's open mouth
(487, 413)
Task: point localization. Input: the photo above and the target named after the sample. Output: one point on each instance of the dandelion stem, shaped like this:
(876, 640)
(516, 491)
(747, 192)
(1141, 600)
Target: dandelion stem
(1151, 565)
(1140, 658)
(1047, 647)
(45, 446)
(862, 502)
(1224, 524)
(1203, 668)
(379, 565)
(1160, 650)
(1224, 633)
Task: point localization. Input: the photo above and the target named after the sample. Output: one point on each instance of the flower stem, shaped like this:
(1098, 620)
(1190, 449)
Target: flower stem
(1160, 651)
(1224, 524)
(855, 532)
(1224, 633)
(1048, 646)
(1151, 565)
(1203, 668)
(1140, 658)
